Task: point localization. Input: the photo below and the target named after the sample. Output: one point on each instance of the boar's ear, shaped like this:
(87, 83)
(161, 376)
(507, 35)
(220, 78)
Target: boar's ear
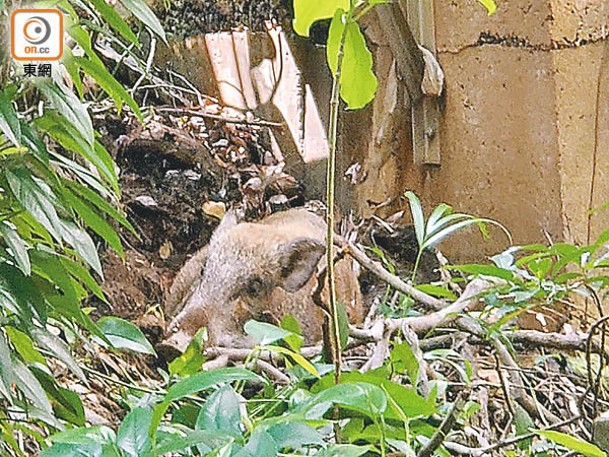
(298, 260)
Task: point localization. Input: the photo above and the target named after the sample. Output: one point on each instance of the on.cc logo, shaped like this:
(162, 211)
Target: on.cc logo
(36, 34)
(37, 30)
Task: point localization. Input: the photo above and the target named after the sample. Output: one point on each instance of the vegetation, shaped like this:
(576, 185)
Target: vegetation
(59, 192)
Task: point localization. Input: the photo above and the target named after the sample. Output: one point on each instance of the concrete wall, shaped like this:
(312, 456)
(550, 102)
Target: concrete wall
(525, 129)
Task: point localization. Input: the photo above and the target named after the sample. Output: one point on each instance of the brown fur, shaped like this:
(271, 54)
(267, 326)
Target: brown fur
(261, 271)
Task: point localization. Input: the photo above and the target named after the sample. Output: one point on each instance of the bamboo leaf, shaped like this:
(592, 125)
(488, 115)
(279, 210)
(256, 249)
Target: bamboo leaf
(17, 245)
(66, 104)
(9, 122)
(142, 11)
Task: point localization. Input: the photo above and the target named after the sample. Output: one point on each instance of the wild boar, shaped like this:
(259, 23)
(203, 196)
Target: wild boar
(262, 271)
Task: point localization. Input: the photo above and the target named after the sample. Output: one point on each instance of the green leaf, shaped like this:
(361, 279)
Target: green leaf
(59, 349)
(358, 82)
(486, 270)
(132, 436)
(403, 359)
(73, 70)
(70, 138)
(307, 12)
(344, 450)
(194, 384)
(523, 424)
(108, 83)
(294, 435)
(115, 21)
(363, 397)
(72, 450)
(296, 357)
(24, 346)
(124, 335)
(173, 443)
(31, 387)
(260, 444)
(36, 200)
(17, 245)
(197, 383)
(96, 434)
(290, 324)
(221, 412)
(141, 10)
(82, 275)
(418, 219)
(191, 360)
(573, 443)
(6, 370)
(66, 103)
(66, 403)
(82, 244)
(100, 203)
(9, 122)
(436, 217)
(207, 379)
(490, 6)
(263, 333)
(436, 291)
(95, 222)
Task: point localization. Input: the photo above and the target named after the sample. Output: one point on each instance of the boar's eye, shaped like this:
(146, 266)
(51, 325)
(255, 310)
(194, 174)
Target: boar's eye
(254, 287)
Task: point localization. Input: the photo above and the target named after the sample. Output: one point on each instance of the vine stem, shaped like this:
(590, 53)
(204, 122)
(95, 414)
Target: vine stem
(330, 183)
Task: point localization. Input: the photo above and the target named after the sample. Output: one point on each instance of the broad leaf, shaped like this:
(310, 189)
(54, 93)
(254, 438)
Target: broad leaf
(307, 12)
(95, 222)
(124, 335)
(221, 412)
(132, 436)
(363, 397)
(58, 348)
(294, 435)
(358, 82)
(24, 346)
(260, 444)
(191, 360)
(296, 357)
(263, 333)
(196, 383)
(207, 379)
(169, 444)
(572, 443)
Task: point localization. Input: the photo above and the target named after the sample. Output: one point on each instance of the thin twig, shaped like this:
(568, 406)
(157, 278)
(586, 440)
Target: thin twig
(217, 117)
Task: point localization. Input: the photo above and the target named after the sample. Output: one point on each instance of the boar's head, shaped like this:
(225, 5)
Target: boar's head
(245, 264)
